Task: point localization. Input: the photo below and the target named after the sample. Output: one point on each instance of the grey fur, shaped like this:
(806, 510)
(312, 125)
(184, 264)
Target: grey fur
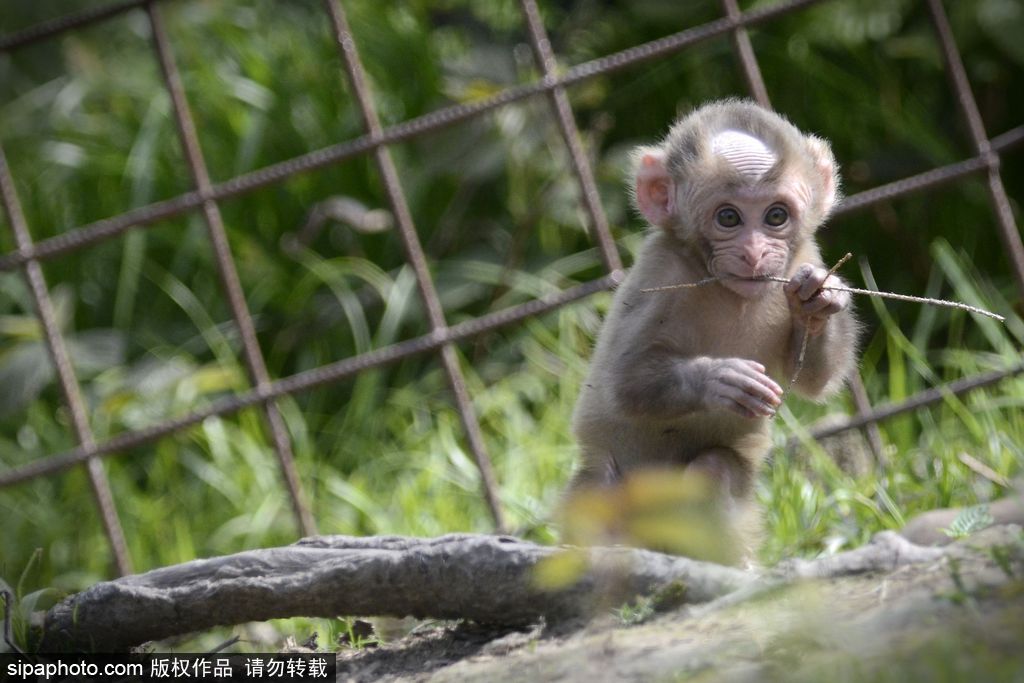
(644, 403)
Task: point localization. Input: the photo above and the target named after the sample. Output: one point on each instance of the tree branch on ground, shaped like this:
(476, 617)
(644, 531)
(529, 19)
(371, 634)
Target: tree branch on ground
(489, 579)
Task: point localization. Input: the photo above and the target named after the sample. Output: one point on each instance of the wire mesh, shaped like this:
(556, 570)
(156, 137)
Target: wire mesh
(28, 255)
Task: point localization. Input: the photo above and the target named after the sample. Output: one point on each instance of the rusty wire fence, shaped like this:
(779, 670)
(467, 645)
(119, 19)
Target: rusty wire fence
(442, 337)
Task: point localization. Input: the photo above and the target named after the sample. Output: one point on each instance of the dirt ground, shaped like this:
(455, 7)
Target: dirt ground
(958, 619)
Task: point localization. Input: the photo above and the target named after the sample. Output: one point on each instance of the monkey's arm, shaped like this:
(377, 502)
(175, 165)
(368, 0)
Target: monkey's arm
(655, 383)
(826, 317)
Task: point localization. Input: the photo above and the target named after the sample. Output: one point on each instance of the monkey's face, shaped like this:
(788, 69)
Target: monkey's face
(749, 233)
(741, 187)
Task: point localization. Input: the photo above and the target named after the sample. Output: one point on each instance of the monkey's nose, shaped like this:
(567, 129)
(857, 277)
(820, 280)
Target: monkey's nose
(753, 257)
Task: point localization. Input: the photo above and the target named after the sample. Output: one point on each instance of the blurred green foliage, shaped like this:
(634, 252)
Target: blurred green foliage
(89, 133)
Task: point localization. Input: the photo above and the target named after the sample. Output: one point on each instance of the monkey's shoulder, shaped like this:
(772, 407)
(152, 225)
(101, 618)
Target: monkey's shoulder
(663, 257)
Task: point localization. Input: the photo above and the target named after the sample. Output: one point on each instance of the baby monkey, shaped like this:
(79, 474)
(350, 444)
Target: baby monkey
(687, 378)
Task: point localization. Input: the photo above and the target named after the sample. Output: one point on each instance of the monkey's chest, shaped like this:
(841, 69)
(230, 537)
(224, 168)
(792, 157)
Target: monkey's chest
(758, 331)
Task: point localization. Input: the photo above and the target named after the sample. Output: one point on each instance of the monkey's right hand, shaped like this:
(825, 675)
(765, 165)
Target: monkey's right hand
(739, 385)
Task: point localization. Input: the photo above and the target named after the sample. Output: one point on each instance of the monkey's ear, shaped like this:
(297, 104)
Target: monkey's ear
(825, 164)
(655, 189)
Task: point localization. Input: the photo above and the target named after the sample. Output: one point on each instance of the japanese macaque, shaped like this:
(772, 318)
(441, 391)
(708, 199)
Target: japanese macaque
(686, 379)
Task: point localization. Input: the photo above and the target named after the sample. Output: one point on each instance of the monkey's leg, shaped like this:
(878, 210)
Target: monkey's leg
(729, 476)
(606, 473)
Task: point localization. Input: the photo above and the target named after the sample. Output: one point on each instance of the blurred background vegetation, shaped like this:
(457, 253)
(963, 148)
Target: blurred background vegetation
(89, 133)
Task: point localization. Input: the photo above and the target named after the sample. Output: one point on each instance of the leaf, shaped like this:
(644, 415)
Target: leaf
(632, 614)
(969, 521)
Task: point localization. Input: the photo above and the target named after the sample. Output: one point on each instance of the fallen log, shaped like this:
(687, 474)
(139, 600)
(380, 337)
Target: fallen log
(478, 577)
(489, 579)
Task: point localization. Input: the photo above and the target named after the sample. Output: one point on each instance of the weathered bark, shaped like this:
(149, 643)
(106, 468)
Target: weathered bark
(488, 579)
(483, 578)
(887, 551)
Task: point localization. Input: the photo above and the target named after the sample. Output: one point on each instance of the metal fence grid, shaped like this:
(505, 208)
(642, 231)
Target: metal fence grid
(264, 392)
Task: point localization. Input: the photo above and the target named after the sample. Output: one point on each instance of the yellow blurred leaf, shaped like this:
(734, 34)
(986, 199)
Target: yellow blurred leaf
(560, 570)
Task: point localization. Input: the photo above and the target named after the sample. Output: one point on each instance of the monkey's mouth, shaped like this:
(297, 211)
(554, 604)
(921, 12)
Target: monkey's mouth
(747, 287)
(756, 275)
(756, 280)
(763, 276)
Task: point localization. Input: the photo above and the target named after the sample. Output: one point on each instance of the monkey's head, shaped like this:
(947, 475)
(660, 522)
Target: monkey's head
(741, 186)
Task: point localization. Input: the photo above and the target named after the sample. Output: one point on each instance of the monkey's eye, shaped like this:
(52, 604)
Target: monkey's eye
(727, 217)
(776, 216)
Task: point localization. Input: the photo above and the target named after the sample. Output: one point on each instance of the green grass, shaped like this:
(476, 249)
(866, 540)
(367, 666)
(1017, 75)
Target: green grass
(395, 461)
(88, 134)
(813, 504)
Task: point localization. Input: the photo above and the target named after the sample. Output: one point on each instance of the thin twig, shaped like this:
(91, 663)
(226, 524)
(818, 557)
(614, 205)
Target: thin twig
(851, 290)
(902, 297)
(807, 332)
(984, 470)
(837, 266)
(685, 285)
(800, 357)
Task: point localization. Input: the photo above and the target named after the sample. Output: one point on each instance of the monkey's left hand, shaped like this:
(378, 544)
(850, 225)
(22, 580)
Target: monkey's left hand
(808, 302)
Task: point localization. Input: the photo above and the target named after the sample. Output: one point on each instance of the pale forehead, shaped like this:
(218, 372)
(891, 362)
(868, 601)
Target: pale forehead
(790, 190)
(744, 152)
